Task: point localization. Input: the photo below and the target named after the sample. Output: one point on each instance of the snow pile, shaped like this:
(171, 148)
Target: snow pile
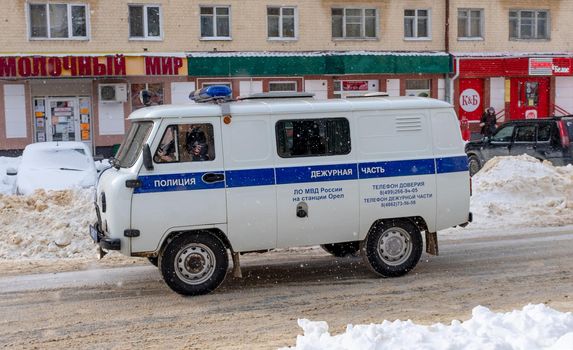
(535, 327)
(521, 191)
(47, 225)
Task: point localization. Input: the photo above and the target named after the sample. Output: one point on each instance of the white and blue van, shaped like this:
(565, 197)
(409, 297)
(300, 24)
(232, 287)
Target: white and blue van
(193, 185)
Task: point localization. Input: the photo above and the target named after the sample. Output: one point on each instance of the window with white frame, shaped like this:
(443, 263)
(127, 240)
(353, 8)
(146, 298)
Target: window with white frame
(216, 22)
(354, 23)
(144, 22)
(418, 87)
(470, 23)
(281, 22)
(417, 24)
(528, 24)
(289, 86)
(58, 21)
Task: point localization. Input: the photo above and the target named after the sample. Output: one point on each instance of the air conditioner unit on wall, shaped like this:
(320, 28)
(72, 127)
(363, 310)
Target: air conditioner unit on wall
(113, 93)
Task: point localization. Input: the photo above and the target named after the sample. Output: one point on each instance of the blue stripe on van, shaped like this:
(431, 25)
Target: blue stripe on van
(396, 168)
(452, 164)
(316, 173)
(250, 177)
(175, 182)
(302, 174)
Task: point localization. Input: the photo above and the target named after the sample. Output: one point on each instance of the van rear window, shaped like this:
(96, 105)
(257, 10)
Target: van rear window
(313, 137)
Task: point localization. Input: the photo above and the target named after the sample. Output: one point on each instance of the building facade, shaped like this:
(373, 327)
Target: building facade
(74, 70)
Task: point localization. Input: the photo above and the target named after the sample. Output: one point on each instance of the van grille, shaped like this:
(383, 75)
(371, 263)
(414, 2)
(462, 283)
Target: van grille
(408, 124)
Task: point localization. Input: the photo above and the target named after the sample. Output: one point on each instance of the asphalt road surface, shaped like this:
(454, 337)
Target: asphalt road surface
(131, 307)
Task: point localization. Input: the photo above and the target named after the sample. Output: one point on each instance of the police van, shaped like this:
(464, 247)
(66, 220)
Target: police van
(195, 185)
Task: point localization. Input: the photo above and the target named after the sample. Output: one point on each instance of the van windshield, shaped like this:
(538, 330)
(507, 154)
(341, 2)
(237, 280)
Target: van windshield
(132, 145)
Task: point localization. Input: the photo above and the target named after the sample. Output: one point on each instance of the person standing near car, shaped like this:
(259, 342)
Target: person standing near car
(488, 122)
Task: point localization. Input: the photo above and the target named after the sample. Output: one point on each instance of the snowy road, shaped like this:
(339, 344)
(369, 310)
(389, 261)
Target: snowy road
(131, 307)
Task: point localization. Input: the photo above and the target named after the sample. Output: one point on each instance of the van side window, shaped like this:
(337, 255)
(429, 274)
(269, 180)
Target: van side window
(186, 143)
(313, 137)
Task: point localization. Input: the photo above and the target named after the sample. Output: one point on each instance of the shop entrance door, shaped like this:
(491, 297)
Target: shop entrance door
(529, 98)
(63, 119)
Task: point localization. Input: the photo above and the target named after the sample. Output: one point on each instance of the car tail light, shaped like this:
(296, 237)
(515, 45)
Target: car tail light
(563, 133)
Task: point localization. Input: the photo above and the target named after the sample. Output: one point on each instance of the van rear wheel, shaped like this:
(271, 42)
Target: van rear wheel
(194, 264)
(341, 249)
(393, 248)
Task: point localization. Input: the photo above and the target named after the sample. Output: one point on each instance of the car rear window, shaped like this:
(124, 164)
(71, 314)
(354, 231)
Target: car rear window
(569, 124)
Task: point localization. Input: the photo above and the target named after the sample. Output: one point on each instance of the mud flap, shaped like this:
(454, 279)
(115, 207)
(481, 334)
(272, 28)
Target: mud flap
(236, 265)
(432, 243)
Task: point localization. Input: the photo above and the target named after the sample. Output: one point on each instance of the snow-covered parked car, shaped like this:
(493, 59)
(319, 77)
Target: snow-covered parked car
(55, 166)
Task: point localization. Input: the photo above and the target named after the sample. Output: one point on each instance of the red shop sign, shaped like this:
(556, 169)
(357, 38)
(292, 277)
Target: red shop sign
(562, 66)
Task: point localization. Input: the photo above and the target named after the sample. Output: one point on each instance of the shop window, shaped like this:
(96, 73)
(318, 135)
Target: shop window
(353, 23)
(281, 22)
(344, 88)
(144, 95)
(186, 143)
(58, 21)
(144, 22)
(215, 22)
(211, 83)
(289, 86)
(528, 24)
(418, 87)
(417, 24)
(313, 137)
(470, 23)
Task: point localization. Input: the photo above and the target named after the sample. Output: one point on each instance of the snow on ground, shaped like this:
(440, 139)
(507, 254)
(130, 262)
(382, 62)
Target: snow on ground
(534, 327)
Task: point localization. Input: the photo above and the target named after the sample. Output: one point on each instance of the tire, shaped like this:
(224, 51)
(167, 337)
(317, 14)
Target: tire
(153, 260)
(474, 164)
(194, 264)
(393, 248)
(341, 249)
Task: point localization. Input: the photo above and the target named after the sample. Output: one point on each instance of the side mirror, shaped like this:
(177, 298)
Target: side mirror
(11, 171)
(147, 161)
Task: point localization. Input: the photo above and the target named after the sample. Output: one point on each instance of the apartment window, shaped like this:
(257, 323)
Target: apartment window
(144, 21)
(289, 86)
(281, 22)
(58, 21)
(528, 24)
(215, 22)
(418, 87)
(351, 23)
(417, 24)
(470, 23)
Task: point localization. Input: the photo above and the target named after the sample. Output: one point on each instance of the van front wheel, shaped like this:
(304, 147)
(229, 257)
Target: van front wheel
(194, 264)
(474, 164)
(393, 248)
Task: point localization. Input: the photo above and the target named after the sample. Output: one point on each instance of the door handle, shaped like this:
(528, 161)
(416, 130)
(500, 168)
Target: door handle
(212, 177)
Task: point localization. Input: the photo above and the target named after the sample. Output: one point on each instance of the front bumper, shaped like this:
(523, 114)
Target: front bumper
(99, 237)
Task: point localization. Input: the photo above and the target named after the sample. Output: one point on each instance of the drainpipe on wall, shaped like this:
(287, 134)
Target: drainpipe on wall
(448, 81)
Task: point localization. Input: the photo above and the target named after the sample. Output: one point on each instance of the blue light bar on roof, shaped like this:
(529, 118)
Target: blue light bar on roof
(210, 93)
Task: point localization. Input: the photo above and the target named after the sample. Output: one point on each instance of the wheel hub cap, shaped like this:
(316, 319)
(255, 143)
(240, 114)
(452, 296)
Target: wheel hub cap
(394, 246)
(195, 263)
